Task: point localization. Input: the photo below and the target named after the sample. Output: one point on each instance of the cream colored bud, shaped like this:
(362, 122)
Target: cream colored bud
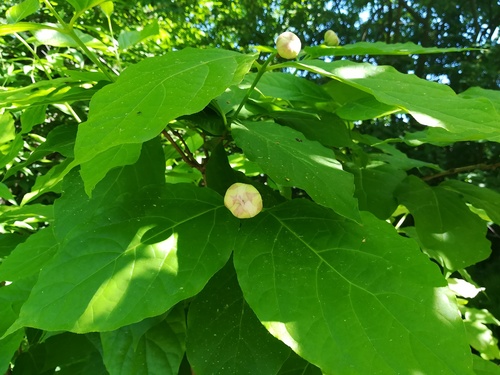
(331, 38)
(243, 200)
(288, 45)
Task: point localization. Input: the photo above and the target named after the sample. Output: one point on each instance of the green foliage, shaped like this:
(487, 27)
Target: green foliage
(118, 255)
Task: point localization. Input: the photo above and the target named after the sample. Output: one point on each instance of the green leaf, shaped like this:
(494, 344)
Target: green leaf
(378, 48)
(350, 298)
(292, 160)
(225, 337)
(31, 116)
(129, 252)
(127, 39)
(23, 26)
(153, 346)
(30, 256)
(328, 129)
(56, 38)
(83, 5)
(375, 188)
(20, 11)
(484, 367)
(289, 87)
(447, 230)
(479, 197)
(107, 7)
(430, 103)
(5, 192)
(151, 93)
(7, 129)
(477, 92)
(9, 346)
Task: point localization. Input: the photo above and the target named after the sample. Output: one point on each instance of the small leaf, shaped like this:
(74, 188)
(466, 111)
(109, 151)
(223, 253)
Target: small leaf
(349, 298)
(127, 39)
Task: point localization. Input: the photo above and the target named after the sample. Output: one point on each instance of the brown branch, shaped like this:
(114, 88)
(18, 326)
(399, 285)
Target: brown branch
(186, 156)
(481, 166)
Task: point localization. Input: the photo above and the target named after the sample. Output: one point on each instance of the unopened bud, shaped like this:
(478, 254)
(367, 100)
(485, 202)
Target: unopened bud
(243, 200)
(331, 38)
(288, 45)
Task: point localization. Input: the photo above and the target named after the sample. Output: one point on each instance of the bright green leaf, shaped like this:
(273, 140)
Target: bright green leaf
(349, 298)
(83, 5)
(292, 160)
(289, 87)
(129, 252)
(149, 95)
(7, 128)
(127, 39)
(430, 103)
(20, 11)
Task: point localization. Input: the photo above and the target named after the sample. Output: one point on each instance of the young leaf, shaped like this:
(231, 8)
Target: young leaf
(145, 98)
(292, 160)
(349, 298)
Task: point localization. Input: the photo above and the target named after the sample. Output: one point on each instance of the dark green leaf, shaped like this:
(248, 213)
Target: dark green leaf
(447, 230)
(153, 346)
(479, 197)
(225, 337)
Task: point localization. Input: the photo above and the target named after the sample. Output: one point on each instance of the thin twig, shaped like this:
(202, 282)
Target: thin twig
(188, 158)
(481, 166)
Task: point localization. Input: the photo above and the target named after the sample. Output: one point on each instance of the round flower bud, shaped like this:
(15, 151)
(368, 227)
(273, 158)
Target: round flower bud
(243, 200)
(288, 45)
(331, 38)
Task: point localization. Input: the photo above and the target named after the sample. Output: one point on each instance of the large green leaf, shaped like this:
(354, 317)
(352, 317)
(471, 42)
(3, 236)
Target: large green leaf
(137, 107)
(430, 103)
(129, 252)
(153, 346)
(350, 298)
(225, 337)
(290, 159)
(446, 229)
(378, 48)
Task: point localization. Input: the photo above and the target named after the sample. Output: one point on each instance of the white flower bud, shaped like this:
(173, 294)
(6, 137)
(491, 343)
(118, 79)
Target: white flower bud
(288, 45)
(331, 38)
(243, 200)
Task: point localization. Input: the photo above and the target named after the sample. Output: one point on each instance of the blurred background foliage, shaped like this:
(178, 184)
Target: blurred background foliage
(131, 31)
